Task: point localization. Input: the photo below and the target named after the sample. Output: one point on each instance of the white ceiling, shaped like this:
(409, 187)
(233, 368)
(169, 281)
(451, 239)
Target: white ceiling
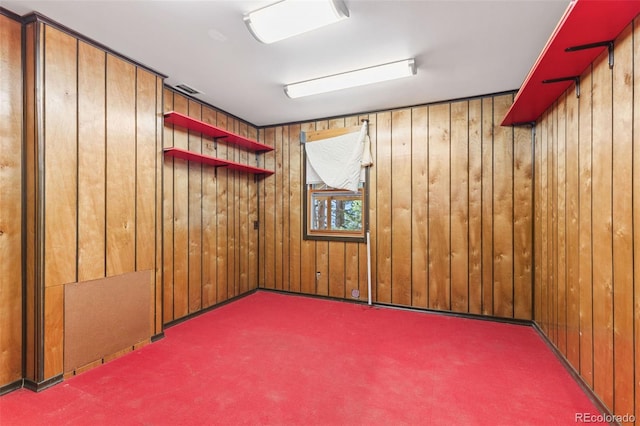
(462, 49)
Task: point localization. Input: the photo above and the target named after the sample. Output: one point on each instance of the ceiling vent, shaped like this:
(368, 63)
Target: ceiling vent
(187, 89)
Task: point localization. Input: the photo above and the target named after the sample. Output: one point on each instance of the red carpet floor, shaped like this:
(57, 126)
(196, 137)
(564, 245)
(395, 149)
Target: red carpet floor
(278, 359)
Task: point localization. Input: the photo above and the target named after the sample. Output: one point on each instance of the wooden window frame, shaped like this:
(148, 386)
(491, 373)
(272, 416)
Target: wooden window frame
(336, 234)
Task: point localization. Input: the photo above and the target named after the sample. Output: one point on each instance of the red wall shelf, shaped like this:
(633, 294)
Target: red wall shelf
(213, 161)
(584, 22)
(214, 131)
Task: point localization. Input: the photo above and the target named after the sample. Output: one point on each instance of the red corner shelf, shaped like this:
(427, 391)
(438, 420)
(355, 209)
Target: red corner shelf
(213, 161)
(584, 22)
(187, 122)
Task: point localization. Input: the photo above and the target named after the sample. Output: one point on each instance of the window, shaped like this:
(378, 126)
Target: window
(335, 214)
(335, 191)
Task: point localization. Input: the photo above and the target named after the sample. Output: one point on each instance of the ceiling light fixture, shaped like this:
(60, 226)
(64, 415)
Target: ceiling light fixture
(292, 17)
(377, 74)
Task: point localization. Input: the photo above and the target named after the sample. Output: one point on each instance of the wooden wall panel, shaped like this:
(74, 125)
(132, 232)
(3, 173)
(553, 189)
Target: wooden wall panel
(209, 219)
(622, 226)
(475, 206)
(522, 223)
(92, 181)
(585, 209)
(168, 218)
(210, 246)
(180, 217)
(459, 206)
(601, 176)
(636, 213)
(503, 193)
(401, 207)
(419, 207)
(91, 162)
(433, 201)
(295, 207)
(487, 206)
(573, 230)
(121, 165)
(60, 188)
(11, 209)
(383, 226)
(586, 251)
(439, 207)
(194, 194)
(560, 225)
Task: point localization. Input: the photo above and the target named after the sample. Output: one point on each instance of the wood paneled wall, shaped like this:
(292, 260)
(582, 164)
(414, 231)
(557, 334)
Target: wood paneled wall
(450, 213)
(587, 226)
(210, 245)
(10, 200)
(93, 177)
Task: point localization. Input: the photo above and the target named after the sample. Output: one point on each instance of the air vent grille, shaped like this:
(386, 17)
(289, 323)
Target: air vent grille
(187, 89)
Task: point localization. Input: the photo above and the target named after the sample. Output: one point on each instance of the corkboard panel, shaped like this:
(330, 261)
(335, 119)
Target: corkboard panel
(104, 316)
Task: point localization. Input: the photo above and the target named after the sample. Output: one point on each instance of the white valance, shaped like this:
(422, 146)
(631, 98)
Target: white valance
(340, 161)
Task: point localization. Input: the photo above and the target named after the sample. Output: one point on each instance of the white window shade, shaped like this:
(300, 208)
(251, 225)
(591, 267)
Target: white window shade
(339, 162)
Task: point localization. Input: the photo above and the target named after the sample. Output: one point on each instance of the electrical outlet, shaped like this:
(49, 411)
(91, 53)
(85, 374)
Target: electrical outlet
(318, 275)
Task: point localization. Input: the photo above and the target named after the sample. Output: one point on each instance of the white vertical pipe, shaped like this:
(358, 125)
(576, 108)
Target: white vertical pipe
(369, 267)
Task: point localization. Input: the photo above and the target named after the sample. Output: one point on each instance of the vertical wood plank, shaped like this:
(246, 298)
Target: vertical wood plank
(253, 217)
(194, 186)
(573, 234)
(168, 217)
(602, 232)
(322, 247)
(121, 166)
(308, 247)
(54, 331)
(585, 214)
(209, 218)
(222, 215)
(522, 223)
(244, 180)
(561, 256)
(636, 209)
(502, 210)
(383, 206)
(460, 206)
(278, 207)
(60, 188)
(419, 208)
(11, 211)
(269, 216)
(623, 248)
(286, 208)
(180, 216)
(60, 163)
(439, 207)
(145, 169)
(487, 206)
(295, 208)
(401, 146)
(475, 206)
(543, 254)
(232, 215)
(91, 162)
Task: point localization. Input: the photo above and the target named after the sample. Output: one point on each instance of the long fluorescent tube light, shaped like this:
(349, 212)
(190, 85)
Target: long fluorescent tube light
(292, 17)
(377, 74)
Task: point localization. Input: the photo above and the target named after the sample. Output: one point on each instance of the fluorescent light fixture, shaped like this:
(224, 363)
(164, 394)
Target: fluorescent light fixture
(377, 74)
(288, 18)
